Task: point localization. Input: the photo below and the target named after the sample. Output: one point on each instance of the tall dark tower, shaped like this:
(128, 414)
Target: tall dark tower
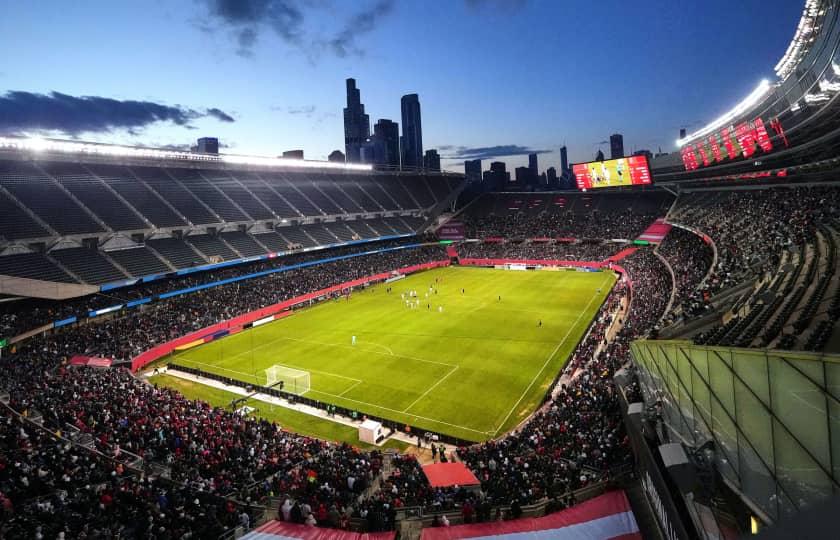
(356, 123)
(564, 160)
(616, 146)
(411, 142)
(389, 132)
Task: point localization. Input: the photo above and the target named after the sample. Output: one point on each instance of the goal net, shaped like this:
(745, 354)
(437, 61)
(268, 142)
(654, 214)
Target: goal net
(295, 381)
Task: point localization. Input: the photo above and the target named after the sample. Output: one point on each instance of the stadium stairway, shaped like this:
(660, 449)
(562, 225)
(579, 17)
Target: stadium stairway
(626, 252)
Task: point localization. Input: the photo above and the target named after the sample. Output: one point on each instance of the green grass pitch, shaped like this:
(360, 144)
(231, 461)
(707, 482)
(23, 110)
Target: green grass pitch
(473, 370)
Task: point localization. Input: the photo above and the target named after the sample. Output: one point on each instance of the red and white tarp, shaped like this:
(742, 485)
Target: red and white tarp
(94, 361)
(449, 474)
(607, 517)
(281, 530)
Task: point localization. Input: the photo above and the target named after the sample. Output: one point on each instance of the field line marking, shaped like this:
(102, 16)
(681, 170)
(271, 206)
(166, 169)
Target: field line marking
(547, 360)
(285, 365)
(369, 351)
(424, 394)
(400, 412)
(354, 385)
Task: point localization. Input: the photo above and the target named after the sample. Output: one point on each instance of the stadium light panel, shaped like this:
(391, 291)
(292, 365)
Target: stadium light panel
(750, 101)
(37, 144)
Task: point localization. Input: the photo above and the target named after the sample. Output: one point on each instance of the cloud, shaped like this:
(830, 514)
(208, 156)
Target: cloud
(363, 22)
(247, 17)
(26, 111)
(488, 152)
(305, 110)
(220, 115)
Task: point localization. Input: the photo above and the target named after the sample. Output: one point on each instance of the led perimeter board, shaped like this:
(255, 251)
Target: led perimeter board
(626, 171)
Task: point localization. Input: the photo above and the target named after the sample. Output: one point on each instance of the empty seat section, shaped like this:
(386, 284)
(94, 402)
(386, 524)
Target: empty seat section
(93, 194)
(88, 264)
(295, 235)
(414, 223)
(135, 192)
(381, 227)
(440, 187)
(209, 195)
(40, 194)
(415, 185)
(320, 234)
(139, 261)
(375, 190)
(233, 189)
(211, 246)
(291, 194)
(395, 189)
(15, 223)
(361, 228)
(176, 195)
(318, 197)
(243, 243)
(399, 226)
(347, 195)
(340, 230)
(273, 241)
(33, 266)
(266, 195)
(177, 252)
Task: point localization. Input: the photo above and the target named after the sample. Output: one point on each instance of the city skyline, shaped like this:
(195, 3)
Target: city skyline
(263, 84)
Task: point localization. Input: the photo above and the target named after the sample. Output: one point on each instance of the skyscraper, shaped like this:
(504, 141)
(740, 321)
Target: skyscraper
(497, 177)
(472, 170)
(411, 143)
(551, 177)
(599, 156)
(564, 160)
(616, 146)
(208, 145)
(356, 123)
(389, 133)
(431, 160)
(532, 164)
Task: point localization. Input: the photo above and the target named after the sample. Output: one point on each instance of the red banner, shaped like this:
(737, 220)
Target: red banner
(236, 324)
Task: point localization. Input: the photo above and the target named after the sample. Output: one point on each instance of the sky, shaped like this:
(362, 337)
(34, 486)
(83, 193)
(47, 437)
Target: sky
(496, 78)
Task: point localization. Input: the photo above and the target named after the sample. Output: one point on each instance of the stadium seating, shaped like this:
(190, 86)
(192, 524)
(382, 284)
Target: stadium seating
(267, 196)
(88, 264)
(15, 223)
(177, 252)
(33, 266)
(143, 199)
(90, 191)
(175, 194)
(244, 244)
(45, 199)
(212, 247)
(214, 199)
(139, 261)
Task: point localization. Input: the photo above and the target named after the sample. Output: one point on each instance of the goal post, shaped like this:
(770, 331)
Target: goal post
(295, 381)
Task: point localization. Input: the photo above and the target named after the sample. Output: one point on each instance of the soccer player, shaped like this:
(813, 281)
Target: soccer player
(353, 340)
(540, 323)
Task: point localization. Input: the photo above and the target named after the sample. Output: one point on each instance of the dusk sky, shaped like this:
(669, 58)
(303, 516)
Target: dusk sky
(268, 75)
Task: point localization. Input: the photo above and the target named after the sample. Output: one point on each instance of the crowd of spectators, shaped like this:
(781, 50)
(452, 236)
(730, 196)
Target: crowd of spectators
(583, 251)
(690, 257)
(21, 316)
(560, 224)
(50, 488)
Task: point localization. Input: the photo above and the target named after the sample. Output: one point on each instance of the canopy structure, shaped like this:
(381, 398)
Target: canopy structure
(449, 474)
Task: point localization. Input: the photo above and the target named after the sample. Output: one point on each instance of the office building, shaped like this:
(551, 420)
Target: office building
(564, 161)
(551, 177)
(431, 160)
(356, 124)
(411, 143)
(336, 156)
(616, 146)
(497, 178)
(388, 132)
(472, 170)
(532, 165)
(293, 154)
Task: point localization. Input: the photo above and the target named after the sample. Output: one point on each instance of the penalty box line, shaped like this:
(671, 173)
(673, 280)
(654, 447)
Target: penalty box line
(550, 356)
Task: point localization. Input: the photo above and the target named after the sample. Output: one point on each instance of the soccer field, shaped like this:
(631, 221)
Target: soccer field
(467, 364)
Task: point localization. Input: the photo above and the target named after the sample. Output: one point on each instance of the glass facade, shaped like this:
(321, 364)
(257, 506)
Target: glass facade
(774, 416)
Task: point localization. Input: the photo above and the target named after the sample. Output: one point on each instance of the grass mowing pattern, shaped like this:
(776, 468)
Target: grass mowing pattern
(473, 371)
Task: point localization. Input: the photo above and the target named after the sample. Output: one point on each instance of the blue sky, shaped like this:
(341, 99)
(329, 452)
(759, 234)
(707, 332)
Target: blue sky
(528, 73)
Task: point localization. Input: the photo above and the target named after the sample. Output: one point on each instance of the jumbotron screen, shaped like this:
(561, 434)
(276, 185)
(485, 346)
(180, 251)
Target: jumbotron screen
(627, 171)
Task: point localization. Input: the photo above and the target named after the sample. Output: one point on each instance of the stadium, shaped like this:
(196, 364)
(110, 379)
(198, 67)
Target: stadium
(216, 345)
